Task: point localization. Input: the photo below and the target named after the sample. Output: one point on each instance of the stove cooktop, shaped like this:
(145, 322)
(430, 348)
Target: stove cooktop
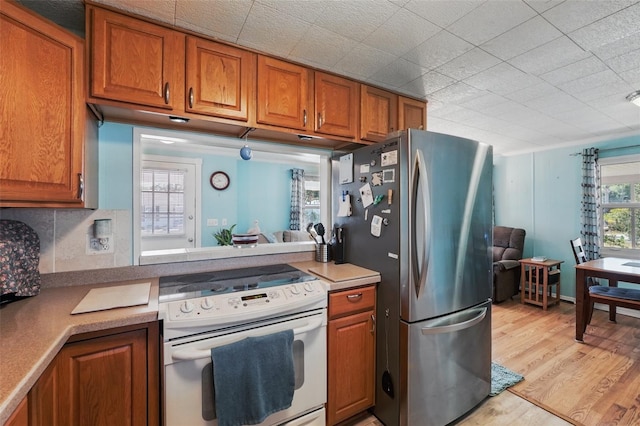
(189, 286)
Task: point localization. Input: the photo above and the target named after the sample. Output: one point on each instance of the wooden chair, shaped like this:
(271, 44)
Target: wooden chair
(611, 295)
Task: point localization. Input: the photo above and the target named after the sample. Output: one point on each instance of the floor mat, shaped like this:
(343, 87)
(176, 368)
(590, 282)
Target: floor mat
(502, 378)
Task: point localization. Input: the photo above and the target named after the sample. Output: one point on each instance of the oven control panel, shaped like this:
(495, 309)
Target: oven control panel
(228, 308)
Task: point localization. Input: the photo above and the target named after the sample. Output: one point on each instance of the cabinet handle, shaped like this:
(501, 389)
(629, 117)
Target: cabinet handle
(304, 117)
(80, 185)
(373, 324)
(166, 93)
(354, 297)
(319, 120)
(191, 97)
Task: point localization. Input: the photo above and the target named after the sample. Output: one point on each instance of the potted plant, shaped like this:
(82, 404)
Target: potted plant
(224, 236)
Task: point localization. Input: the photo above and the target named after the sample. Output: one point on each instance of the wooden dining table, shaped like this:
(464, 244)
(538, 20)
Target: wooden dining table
(613, 269)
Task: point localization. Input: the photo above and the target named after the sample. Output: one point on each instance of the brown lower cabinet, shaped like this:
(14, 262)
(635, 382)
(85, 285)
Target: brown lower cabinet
(104, 378)
(351, 353)
(20, 416)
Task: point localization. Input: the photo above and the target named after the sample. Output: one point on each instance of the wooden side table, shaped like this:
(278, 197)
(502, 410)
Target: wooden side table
(537, 279)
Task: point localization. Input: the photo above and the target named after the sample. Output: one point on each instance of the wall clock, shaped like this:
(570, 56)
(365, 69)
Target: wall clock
(219, 180)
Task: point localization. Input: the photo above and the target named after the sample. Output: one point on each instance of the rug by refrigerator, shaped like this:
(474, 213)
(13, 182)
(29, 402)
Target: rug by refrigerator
(502, 378)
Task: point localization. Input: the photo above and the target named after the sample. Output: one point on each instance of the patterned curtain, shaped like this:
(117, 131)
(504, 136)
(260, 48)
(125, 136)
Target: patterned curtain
(297, 199)
(590, 209)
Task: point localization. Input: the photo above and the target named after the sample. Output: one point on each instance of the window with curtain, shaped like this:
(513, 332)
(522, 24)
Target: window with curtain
(620, 206)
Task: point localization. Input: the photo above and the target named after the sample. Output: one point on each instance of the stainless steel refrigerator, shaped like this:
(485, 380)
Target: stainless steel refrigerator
(421, 214)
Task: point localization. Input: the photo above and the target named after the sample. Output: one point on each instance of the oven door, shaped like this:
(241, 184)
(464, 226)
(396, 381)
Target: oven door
(189, 375)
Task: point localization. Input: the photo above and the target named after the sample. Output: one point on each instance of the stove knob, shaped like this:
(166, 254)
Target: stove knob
(206, 304)
(294, 289)
(308, 287)
(186, 307)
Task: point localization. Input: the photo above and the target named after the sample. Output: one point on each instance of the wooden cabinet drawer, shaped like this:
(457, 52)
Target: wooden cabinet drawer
(351, 301)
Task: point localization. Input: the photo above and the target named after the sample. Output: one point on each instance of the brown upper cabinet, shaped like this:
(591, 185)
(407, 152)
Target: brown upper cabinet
(220, 79)
(283, 94)
(411, 114)
(135, 61)
(43, 114)
(378, 113)
(336, 105)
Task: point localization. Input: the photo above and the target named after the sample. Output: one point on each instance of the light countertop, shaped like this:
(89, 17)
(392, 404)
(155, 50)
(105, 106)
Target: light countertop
(33, 331)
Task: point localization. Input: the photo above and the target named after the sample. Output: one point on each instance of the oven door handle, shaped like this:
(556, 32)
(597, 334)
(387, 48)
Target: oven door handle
(193, 354)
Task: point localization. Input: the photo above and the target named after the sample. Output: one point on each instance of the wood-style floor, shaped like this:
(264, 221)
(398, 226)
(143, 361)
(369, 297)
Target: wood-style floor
(592, 383)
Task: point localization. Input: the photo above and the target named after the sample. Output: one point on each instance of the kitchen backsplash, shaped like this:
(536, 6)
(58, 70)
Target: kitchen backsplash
(64, 236)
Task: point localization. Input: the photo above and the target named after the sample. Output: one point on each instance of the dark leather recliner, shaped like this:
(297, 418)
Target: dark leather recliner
(508, 244)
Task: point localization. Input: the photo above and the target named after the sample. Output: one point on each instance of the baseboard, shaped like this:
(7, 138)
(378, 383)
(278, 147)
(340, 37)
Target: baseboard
(601, 307)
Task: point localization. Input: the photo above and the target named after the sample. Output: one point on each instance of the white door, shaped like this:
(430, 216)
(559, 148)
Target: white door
(168, 214)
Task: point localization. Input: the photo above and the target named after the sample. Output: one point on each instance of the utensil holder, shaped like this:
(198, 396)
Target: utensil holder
(322, 253)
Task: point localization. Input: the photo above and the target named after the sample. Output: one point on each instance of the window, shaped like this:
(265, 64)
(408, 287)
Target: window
(162, 202)
(311, 210)
(620, 205)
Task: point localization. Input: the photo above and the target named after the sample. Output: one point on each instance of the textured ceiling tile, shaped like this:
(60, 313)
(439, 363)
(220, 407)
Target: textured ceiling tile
(393, 36)
(220, 19)
(457, 93)
(555, 54)
(439, 49)
(579, 69)
(532, 92)
(618, 47)
(594, 94)
(607, 30)
(555, 102)
(364, 61)
(626, 62)
(522, 38)
(491, 19)
(355, 19)
(502, 79)
(484, 102)
(322, 46)
(468, 64)
(542, 5)
(591, 81)
(442, 12)
(307, 10)
(398, 73)
(262, 31)
(632, 77)
(571, 15)
(428, 83)
(160, 10)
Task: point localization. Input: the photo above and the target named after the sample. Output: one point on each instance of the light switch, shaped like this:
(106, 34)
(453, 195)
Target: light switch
(212, 222)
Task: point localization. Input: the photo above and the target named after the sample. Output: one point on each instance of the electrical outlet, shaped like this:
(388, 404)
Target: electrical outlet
(99, 245)
(224, 222)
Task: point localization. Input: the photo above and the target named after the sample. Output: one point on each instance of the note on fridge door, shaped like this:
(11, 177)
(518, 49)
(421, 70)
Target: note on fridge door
(376, 225)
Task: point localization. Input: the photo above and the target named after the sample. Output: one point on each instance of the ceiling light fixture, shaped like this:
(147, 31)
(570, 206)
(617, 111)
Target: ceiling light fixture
(634, 97)
(176, 119)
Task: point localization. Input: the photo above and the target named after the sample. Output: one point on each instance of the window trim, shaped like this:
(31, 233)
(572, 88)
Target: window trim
(611, 251)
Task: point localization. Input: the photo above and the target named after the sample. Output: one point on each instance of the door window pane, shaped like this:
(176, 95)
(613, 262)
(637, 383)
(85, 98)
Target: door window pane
(162, 202)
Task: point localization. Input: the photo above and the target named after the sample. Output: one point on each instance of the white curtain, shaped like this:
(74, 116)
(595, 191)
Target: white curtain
(590, 209)
(297, 199)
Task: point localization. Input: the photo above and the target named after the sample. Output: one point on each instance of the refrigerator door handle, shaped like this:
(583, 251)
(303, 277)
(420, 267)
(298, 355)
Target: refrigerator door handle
(450, 328)
(420, 201)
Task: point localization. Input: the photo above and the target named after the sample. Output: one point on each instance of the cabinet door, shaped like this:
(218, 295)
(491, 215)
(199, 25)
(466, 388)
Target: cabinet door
(103, 381)
(20, 416)
(41, 110)
(283, 93)
(43, 398)
(135, 61)
(220, 79)
(351, 366)
(411, 114)
(336, 105)
(378, 113)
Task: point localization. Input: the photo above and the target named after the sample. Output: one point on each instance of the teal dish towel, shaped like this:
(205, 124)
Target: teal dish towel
(253, 378)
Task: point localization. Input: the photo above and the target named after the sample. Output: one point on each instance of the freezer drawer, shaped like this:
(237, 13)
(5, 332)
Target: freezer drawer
(447, 366)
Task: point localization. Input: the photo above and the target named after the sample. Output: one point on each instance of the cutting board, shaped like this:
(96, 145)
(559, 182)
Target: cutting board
(100, 299)
(342, 272)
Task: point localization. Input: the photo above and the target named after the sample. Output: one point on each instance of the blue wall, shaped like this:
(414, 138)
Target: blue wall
(268, 195)
(541, 193)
